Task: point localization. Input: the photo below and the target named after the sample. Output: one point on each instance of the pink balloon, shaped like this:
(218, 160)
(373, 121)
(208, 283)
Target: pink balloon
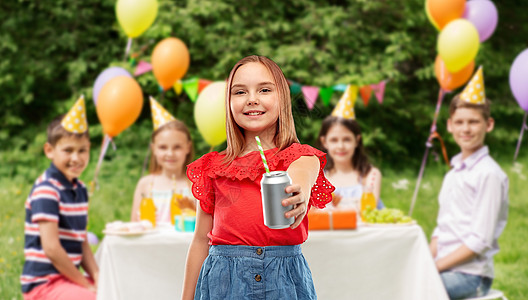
(483, 14)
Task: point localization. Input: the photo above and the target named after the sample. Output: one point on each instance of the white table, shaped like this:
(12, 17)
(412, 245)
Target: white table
(368, 263)
(373, 263)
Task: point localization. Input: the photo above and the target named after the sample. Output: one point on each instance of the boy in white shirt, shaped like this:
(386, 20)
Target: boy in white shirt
(473, 200)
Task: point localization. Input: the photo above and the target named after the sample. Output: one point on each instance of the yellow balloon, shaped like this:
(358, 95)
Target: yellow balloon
(458, 44)
(209, 113)
(136, 16)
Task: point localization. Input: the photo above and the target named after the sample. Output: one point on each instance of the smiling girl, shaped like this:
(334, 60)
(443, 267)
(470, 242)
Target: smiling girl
(348, 168)
(233, 255)
(171, 148)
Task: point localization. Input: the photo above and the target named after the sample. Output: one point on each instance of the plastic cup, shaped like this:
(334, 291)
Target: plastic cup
(189, 223)
(178, 223)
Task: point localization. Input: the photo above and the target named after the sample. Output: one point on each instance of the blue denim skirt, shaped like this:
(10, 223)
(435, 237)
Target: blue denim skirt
(252, 272)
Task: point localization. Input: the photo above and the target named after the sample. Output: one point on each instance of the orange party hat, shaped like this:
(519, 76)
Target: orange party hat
(160, 116)
(345, 106)
(75, 120)
(474, 91)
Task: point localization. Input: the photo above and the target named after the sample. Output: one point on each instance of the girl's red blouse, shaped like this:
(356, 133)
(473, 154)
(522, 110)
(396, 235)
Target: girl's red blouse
(231, 194)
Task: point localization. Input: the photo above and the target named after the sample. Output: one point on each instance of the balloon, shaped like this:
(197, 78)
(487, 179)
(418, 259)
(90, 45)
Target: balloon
(450, 81)
(136, 16)
(458, 44)
(444, 11)
(103, 78)
(209, 113)
(92, 238)
(518, 79)
(170, 61)
(119, 104)
(428, 13)
(483, 14)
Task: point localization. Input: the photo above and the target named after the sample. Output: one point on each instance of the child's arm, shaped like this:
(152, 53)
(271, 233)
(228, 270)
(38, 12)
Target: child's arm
(303, 173)
(455, 258)
(433, 246)
(374, 179)
(198, 251)
(49, 235)
(88, 262)
(138, 195)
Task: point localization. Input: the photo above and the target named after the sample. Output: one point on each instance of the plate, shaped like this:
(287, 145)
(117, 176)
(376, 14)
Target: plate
(413, 222)
(125, 233)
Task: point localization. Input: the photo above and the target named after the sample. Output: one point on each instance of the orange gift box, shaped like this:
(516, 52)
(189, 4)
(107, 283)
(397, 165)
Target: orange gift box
(332, 219)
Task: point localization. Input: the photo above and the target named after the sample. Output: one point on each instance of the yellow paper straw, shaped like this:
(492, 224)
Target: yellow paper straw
(264, 161)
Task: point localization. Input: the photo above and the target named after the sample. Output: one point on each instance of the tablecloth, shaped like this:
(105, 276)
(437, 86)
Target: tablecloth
(369, 263)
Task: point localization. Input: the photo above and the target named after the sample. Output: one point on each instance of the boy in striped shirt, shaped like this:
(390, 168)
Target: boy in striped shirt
(56, 217)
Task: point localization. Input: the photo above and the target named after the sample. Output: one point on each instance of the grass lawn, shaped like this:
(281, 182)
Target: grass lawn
(118, 178)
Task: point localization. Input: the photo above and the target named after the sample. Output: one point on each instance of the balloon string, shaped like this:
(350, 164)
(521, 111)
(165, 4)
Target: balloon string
(128, 46)
(428, 145)
(523, 127)
(145, 162)
(104, 147)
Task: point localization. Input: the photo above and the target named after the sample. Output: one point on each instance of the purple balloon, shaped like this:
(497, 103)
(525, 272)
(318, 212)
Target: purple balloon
(104, 77)
(483, 14)
(92, 238)
(519, 79)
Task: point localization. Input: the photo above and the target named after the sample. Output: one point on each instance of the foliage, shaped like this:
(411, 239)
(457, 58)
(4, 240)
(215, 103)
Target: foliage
(53, 51)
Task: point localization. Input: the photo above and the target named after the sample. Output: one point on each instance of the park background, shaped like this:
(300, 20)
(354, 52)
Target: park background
(53, 51)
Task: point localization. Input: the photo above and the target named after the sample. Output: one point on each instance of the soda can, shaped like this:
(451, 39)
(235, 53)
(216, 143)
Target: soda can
(272, 188)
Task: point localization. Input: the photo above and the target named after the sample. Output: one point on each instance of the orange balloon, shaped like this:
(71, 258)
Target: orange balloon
(119, 104)
(170, 61)
(445, 11)
(450, 81)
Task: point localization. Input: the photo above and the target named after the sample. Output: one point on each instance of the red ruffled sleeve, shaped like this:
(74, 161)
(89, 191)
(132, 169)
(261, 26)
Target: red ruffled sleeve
(322, 189)
(202, 189)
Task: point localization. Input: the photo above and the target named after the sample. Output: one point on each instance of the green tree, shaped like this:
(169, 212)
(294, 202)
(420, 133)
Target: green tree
(53, 51)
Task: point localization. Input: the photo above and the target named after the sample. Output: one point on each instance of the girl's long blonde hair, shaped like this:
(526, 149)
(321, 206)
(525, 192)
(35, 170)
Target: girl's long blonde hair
(285, 134)
(154, 167)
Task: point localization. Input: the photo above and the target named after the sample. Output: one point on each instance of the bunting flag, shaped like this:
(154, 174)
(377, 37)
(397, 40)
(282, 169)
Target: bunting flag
(326, 94)
(142, 68)
(178, 86)
(310, 95)
(190, 87)
(366, 93)
(295, 87)
(340, 87)
(202, 83)
(379, 90)
(75, 120)
(194, 86)
(345, 106)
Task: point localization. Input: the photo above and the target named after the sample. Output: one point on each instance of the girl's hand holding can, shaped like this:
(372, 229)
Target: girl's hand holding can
(300, 205)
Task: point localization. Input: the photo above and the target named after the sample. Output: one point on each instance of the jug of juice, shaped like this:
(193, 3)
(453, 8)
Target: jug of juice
(175, 206)
(368, 200)
(147, 210)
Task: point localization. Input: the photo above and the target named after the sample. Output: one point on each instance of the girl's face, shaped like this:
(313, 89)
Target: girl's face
(170, 148)
(254, 99)
(341, 143)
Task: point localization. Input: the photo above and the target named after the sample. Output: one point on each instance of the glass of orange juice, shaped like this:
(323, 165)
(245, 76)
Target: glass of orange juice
(147, 210)
(368, 200)
(175, 206)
